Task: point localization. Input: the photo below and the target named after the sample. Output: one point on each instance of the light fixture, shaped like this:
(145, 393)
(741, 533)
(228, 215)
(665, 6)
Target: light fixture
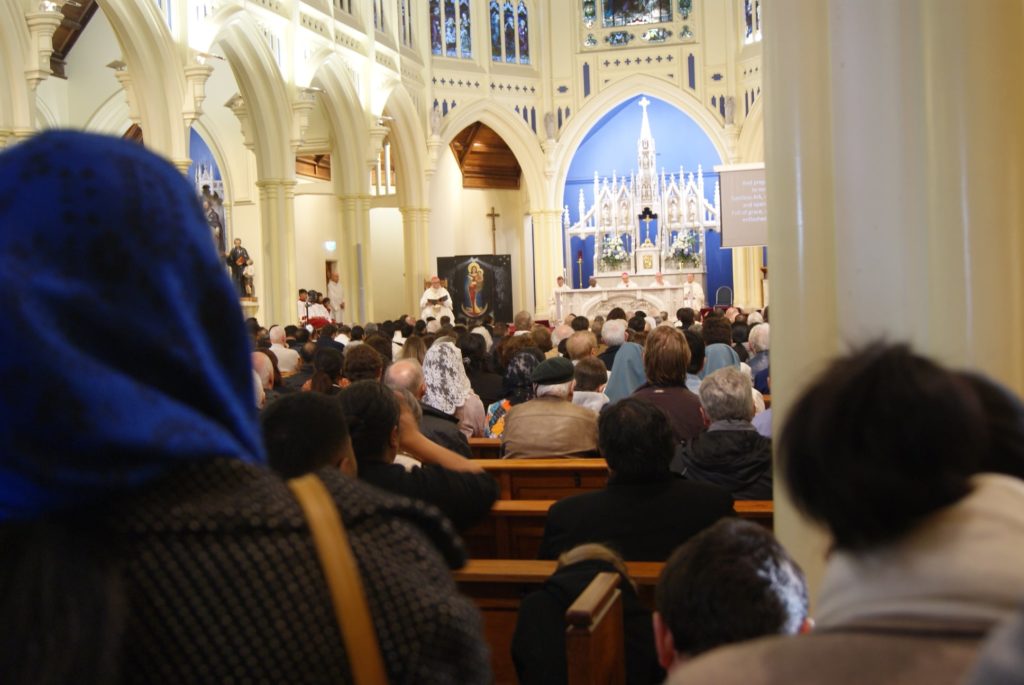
(201, 57)
(330, 245)
(117, 65)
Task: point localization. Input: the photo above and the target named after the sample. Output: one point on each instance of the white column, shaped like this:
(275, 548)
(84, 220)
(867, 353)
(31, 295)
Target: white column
(416, 226)
(547, 257)
(277, 219)
(894, 159)
(355, 227)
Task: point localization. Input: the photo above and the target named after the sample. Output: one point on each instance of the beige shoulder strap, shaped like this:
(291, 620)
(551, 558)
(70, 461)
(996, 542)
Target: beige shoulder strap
(343, 580)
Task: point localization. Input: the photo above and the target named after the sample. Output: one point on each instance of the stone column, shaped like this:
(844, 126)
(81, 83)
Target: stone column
(894, 156)
(277, 222)
(355, 257)
(416, 227)
(547, 257)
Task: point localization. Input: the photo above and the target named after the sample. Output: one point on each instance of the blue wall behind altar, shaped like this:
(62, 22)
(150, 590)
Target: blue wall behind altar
(611, 146)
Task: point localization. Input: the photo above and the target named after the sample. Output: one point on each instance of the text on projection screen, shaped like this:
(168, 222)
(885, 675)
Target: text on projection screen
(744, 208)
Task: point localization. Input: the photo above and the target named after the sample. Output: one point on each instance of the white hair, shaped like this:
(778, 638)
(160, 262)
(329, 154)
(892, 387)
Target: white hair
(754, 317)
(614, 332)
(561, 390)
(562, 332)
(277, 336)
(760, 337)
(726, 394)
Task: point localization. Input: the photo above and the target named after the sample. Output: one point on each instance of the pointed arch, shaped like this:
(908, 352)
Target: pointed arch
(519, 138)
(156, 70)
(347, 121)
(583, 120)
(751, 142)
(15, 106)
(411, 145)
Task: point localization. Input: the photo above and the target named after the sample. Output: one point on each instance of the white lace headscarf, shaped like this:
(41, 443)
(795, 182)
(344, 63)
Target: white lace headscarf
(445, 376)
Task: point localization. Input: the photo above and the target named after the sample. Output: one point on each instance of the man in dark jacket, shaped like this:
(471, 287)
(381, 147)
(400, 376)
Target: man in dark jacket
(731, 453)
(645, 512)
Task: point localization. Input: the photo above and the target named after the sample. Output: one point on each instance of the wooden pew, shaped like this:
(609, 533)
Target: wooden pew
(498, 585)
(514, 529)
(546, 478)
(595, 648)
(485, 448)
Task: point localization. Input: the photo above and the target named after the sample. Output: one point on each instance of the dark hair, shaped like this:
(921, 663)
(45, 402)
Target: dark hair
(303, 432)
(327, 363)
(362, 363)
(541, 338)
(882, 438)
(1004, 414)
(263, 340)
(637, 323)
(357, 333)
(616, 313)
(303, 290)
(63, 600)
(329, 331)
(474, 351)
(290, 331)
(372, 413)
(510, 347)
(666, 357)
(302, 336)
(716, 329)
(590, 374)
(382, 345)
(730, 582)
(685, 316)
(420, 326)
(580, 323)
(696, 343)
(635, 439)
(740, 331)
(306, 352)
(406, 328)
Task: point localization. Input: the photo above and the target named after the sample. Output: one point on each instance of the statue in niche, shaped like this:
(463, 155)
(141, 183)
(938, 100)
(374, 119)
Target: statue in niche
(691, 210)
(673, 210)
(624, 212)
(606, 213)
(549, 125)
(435, 121)
(730, 110)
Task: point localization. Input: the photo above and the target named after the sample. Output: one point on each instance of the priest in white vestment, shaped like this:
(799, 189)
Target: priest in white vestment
(592, 284)
(556, 312)
(693, 294)
(626, 283)
(659, 281)
(336, 295)
(436, 301)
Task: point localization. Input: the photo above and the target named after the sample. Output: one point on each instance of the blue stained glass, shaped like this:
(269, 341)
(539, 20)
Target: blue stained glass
(524, 34)
(510, 32)
(465, 37)
(629, 12)
(495, 31)
(449, 28)
(435, 26)
(748, 13)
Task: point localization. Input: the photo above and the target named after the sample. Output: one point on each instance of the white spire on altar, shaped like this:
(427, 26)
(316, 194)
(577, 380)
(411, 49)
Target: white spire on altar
(683, 214)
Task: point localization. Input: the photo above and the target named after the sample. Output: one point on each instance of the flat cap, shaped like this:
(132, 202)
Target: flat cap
(553, 371)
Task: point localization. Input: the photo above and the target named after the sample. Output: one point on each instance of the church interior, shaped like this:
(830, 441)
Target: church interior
(384, 139)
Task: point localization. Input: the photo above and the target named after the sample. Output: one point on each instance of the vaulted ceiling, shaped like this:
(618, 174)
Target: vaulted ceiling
(485, 159)
(76, 17)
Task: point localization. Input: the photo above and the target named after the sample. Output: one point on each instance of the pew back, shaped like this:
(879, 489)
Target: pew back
(595, 647)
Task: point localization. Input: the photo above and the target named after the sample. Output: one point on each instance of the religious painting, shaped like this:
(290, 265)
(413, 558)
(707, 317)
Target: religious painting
(205, 175)
(480, 285)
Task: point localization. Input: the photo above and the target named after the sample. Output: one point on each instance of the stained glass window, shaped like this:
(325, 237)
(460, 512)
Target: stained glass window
(406, 23)
(450, 31)
(629, 12)
(752, 20)
(510, 32)
(465, 37)
(495, 10)
(524, 34)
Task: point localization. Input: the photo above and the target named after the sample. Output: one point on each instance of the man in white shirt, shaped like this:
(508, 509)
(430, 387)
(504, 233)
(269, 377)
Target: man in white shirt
(555, 313)
(435, 301)
(336, 295)
(302, 306)
(659, 281)
(625, 283)
(592, 284)
(693, 294)
(287, 358)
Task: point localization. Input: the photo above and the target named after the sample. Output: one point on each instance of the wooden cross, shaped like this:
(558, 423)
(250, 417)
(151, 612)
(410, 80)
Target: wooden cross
(494, 231)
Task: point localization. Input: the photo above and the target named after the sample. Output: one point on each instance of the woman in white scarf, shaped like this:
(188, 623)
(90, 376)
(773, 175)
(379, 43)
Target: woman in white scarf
(449, 390)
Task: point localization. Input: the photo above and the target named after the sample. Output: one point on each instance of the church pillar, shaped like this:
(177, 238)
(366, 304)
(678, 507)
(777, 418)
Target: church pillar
(416, 226)
(355, 259)
(277, 221)
(547, 257)
(893, 192)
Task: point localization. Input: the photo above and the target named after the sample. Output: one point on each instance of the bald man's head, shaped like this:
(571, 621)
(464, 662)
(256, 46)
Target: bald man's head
(407, 374)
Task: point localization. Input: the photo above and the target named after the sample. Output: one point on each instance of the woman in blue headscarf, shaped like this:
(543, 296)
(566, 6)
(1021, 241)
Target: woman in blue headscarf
(141, 537)
(628, 373)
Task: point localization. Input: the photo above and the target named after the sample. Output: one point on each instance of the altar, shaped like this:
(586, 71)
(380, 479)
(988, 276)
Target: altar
(593, 302)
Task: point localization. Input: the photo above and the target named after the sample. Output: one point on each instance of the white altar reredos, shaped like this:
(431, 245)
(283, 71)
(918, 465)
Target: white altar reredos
(592, 302)
(645, 223)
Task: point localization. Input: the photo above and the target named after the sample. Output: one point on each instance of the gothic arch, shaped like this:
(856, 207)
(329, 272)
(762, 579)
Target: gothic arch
(751, 142)
(15, 106)
(347, 121)
(157, 76)
(262, 87)
(112, 117)
(411, 145)
(580, 124)
(511, 128)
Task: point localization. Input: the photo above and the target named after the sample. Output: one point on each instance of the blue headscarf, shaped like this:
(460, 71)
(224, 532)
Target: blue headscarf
(125, 352)
(718, 356)
(627, 372)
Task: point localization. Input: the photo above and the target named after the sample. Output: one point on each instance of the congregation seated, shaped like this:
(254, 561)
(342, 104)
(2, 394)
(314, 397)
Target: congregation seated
(550, 425)
(590, 378)
(628, 374)
(538, 644)
(727, 584)
(328, 365)
(759, 340)
(305, 432)
(581, 345)
(613, 334)
(379, 425)
(730, 453)
(449, 391)
(298, 379)
(644, 512)
(666, 358)
(436, 425)
(144, 539)
(362, 363)
(287, 358)
(517, 384)
(893, 455)
(694, 371)
(484, 382)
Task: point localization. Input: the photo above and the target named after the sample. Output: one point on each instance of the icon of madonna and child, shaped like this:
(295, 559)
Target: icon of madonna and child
(474, 295)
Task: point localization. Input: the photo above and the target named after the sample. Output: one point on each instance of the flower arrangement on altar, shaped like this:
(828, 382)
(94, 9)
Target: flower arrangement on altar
(613, 254)
(684, 249)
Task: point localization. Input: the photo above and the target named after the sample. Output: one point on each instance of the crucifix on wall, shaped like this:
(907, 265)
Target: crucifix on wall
(494, 230)
(647, 216)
